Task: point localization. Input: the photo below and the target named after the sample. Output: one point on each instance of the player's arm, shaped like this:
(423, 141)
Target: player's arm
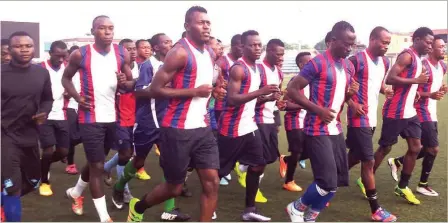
(404, 60)
(307, 74)
(234, 98)
(74, 62)
(174, 62)
(129, 84)
(291, 106)
(144, 81)
(46, 98)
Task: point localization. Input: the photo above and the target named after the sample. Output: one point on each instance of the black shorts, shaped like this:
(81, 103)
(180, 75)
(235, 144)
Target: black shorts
(96, 138)
(125, 137)
(277, 120)
(392, 128)
(359, 141)
(72, 117)
(20, 166)
(54, 133)
(430, 135)
(144, 140)
(246, 149)
(269, 139)
(328, 159)
(296, 140)
(184, 148)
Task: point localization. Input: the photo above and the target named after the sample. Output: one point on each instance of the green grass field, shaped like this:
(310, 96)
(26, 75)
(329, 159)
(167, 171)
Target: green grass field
(348, 204)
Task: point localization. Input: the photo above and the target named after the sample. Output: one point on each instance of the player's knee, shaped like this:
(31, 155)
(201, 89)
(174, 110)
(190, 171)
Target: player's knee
(175, 189)
(63, 152)
(138, 162)
(257, 169)
(433, 150)
(96, 168)
(385, 149)
(368, 164)
(414, 147)
(211, 185)
(47, 152)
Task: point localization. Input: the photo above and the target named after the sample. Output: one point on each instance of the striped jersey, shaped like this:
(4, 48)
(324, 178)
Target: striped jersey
(125, 103)
(72, 102)
(295, 119)
(401, 105)
(98, 80)
(264, 112)
(329, 80)
(369, 73)
(190, 113)
(224, 62)
(239, 120)
(60, 103)
(427, 107)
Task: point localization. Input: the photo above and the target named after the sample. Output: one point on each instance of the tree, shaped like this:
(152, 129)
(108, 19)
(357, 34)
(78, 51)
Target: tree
(320, 45)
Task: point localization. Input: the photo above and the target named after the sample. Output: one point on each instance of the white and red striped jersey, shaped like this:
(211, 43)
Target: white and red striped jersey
(239, 120)
(369, 73)
(190, 113)
(72, 102)
(427, 107)
(98, 80)
(60, 103)
(401, 105)
(296, 119)
(264, 112)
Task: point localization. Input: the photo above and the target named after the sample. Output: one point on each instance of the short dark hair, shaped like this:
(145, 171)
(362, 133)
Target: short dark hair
(246, 34)
(300, 55)
(73, 48)
(375, 34)
(5, 42)
(155, 40)
(58, 44)
(436, 37)
(192, 10)
(328, 37)
(421, 33)
(98, 17)
(235, 40)
(219, 41)
(19, 33)
(123, 41)
(275, 42)
(184, 34)
(137, 43)
(341, 27)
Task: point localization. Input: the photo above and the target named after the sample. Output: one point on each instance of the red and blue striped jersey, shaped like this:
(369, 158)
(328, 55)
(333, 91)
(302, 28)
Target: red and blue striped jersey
(98, 80)
(190, 113)
(401, 105)
(239, 120)
(264, 112)
(427, 107)
(224, 63)
(369, 73)
(296, 119)
(125, 102)
(329, 80)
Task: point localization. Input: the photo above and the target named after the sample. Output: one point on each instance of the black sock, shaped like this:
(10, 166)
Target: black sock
(404, 180)
(45, 164)
(399, 161)
(427, 164)
(291, 163)
(71, 155)
(252, 184)
(141, 206)
(373, 200)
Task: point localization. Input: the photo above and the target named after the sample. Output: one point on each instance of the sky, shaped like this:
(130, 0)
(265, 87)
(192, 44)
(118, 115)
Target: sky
(306, 22)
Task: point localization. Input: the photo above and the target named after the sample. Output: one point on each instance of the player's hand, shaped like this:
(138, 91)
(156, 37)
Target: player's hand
(358, 108)
(219, 93)
(422, 79)
(417, 97)
(66, 95)
(389, 92)
(327, 115)
(276, 96)
(354, 87)
(121, 78)
(443, 89)
(84, 102)
(438, 95)
(269, 89)
(40, 118)
(203, 91)
(281, 104)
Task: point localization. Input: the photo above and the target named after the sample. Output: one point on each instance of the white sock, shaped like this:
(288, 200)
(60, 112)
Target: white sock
(111, 163)
(261, 177)
(101, 208)
(120, 172)
(79, 188)
(188, 174)
(243, 168)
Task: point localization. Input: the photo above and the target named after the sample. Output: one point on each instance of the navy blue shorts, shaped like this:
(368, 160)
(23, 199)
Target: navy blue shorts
(296, 141)
(54, 133)
(72, 117)
(430, 135)
(359, 141)
(269, 139)
(144, 139)
(406, 128)
(328, 159)
(247, 149)
(125, 137)
(96, 139)
(277, 119)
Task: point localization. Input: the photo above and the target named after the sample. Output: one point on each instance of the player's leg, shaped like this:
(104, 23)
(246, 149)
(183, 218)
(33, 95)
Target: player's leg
(72, 117)
(390, 131)
(431, 142)
(412, 134)
(47, 138)
(289, 163)
(269, 138)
